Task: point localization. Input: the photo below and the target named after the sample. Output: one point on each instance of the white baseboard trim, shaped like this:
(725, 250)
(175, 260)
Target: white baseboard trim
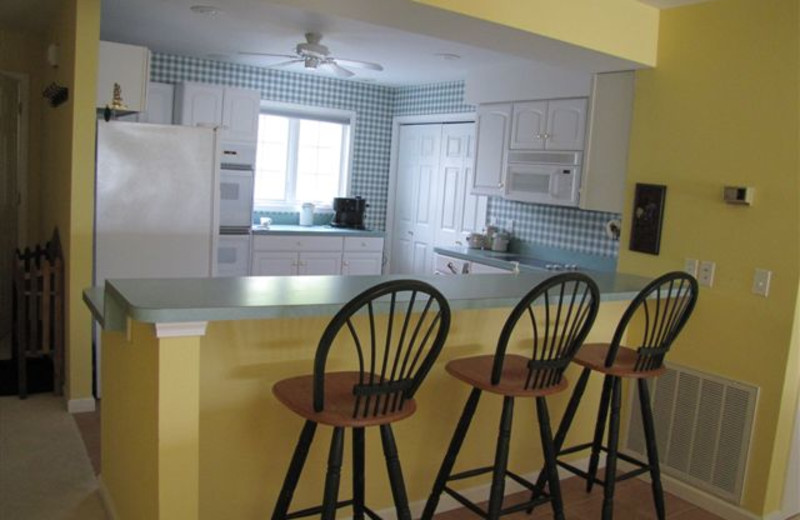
(83, 405)
(478, 493)
(108, 502)
(702, 499)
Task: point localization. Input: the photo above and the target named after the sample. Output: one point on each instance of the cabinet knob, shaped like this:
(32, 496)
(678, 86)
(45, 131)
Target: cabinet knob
(500, 184)
(410, 233)
(546, 136)
(345, 263)
(539, 136)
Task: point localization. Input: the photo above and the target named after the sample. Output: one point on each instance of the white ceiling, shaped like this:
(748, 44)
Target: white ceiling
(403, 36)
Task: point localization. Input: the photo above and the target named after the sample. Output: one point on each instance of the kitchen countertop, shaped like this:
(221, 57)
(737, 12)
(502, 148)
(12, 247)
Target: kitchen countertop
(325, 231)
(258, 297)
(503, 260)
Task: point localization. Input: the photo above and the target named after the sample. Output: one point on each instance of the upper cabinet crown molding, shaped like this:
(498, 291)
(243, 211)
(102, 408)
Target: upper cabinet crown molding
(127, 66)
(536, 82)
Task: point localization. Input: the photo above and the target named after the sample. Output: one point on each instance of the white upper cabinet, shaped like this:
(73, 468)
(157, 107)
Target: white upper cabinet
(566, 124)
(606, 158)
(493, 127)
(240, 109)
(549, 125)
(129, 67)
(197, 104)
(234, 110)
(159, 104)
(528, 126)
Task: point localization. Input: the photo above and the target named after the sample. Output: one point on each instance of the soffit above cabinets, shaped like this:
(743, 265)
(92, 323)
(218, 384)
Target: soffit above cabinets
(277, 26)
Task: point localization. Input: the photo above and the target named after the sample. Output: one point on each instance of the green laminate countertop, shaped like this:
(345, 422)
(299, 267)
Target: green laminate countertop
(322, 231)
(179, 300)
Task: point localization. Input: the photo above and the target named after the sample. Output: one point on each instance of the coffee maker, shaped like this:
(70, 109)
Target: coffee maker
(349, 212)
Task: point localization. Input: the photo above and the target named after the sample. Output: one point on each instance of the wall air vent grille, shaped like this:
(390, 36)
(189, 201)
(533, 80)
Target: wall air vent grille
(703, 426)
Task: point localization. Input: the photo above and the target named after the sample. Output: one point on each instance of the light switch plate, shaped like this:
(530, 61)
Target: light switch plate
(705, 275)
(690, 266)
(761, 282)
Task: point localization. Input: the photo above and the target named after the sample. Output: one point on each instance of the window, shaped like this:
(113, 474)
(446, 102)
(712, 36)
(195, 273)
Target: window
(300, 158)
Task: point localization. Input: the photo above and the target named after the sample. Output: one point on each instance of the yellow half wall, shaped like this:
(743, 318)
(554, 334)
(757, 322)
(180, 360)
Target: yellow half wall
(623, 28)
(721, 109)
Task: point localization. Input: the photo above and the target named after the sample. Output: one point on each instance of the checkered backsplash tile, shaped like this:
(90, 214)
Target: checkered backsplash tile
(582, 231)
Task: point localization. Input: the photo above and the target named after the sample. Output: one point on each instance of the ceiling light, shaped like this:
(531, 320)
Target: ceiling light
(448, 56)
(205, 9)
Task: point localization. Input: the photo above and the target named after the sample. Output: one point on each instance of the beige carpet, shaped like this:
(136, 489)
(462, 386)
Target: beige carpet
(44, 470)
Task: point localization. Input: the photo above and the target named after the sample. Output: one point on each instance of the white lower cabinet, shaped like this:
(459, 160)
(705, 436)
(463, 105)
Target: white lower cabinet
(274, 264)
(291, 255)
(362, 263)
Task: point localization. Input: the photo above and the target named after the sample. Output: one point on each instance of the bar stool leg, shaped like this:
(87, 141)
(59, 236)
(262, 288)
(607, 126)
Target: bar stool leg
(652, 450)
(611, 460)
(395, 473)
(501, 460)
(332, 477)
(563, 428)
(452, 452)
(358, 473)
(295, 468)
(599, 430)
(550, 458)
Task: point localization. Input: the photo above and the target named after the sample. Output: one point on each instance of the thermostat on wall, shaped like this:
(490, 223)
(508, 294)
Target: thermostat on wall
(742, 195)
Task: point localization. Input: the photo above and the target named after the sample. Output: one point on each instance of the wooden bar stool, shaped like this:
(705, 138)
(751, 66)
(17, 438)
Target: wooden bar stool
(663, 307)
(395, 350)
(561, 311)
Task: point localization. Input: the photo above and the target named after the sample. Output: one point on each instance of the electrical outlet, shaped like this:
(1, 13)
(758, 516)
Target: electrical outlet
(509, 225)
(761, 281)
(705, 275)
(690, 266)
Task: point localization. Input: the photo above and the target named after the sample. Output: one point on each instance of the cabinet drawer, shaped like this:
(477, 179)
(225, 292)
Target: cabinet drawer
(297, 243)
(373, 244)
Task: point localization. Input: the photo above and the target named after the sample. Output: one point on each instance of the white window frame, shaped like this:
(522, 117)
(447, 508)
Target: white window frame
(310, 112)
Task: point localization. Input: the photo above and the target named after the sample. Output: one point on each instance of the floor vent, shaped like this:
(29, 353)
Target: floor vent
(703, 425)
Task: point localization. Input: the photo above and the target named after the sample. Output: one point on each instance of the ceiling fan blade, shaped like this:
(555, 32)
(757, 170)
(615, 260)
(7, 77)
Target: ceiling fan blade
(339, 71)
(358, 63)
(269, 54)
(284, 63)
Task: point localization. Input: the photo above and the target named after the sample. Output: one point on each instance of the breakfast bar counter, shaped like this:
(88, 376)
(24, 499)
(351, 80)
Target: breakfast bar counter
(190, 428)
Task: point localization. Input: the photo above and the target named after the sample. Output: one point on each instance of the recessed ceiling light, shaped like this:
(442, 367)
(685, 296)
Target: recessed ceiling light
(205, 9)
(447, 56)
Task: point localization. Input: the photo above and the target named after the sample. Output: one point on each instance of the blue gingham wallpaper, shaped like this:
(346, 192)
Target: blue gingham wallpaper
(375, 106)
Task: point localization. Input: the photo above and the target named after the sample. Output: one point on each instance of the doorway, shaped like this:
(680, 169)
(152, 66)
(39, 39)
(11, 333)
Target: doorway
(9, 164)
(431, 200)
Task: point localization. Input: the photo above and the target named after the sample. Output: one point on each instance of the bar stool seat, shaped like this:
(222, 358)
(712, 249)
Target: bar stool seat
(594, 355)
(296, 394)
(477, 372)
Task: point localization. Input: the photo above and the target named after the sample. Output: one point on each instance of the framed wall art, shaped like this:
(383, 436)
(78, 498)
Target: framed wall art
(648, 214)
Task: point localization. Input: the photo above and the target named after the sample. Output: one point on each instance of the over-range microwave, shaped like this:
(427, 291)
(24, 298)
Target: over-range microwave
(544, 177)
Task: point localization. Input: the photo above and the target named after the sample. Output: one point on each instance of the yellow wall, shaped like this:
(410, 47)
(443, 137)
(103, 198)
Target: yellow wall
(24, 53)
(721, 109)
(623, 28)
(67, 186)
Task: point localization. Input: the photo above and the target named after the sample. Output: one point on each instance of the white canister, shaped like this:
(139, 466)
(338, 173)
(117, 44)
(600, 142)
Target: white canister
(307, 214)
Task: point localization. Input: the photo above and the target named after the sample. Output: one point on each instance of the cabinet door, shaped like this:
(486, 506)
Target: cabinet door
(320, 263)
(362, 263)
(493, 125)
(233, 255)
(566, 124)
(159, 104)
(478, 268)
(528, 126)
(129, 67)
(274, 264)
(197, 104)
(240, 109)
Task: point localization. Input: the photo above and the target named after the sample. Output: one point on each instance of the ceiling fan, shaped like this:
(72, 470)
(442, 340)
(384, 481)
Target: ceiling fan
(313, 55)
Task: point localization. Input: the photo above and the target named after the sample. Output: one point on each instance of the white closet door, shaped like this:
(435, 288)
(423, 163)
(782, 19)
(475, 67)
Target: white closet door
(457, 210)
(414, 219)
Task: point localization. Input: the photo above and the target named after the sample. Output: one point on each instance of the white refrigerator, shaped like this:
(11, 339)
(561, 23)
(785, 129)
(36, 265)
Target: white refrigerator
(156, 203)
